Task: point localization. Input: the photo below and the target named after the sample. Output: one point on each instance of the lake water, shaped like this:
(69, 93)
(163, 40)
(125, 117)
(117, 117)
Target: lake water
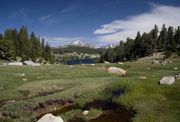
(80, 61)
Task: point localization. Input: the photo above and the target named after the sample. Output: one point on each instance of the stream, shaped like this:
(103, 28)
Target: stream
(111, 111)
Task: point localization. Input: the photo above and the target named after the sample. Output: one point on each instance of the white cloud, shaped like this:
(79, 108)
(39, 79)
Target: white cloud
(58, 41)
(47, 20)
(44, 18)
(121, 29)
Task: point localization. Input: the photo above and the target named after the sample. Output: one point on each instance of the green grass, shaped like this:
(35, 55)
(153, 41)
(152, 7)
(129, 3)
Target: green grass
(152, 102)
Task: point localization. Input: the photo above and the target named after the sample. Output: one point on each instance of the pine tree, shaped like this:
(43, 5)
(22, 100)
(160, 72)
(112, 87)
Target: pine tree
(1, 36)
(177, 38)
(137, 47)
(154, 37)
(162, 40)
(24, 43)
(12, 35)
(47, 54)
(170, 44)
(7, 50)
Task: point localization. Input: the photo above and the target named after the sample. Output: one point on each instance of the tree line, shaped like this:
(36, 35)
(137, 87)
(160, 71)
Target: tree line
(77, 49)
(167, 40)
(16, 45)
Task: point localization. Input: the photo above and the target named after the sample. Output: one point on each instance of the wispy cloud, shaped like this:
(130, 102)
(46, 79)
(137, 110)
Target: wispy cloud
(69, 8)
(121, 29)
(47, 19)
(57, 41)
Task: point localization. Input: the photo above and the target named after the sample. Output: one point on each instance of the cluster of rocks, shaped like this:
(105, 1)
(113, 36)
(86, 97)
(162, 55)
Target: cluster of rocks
(161, 62)
(28, 63)
(177, 76)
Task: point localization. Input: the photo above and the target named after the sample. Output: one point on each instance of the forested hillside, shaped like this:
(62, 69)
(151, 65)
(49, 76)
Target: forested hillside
(18, 45)
(166, 40)
(78, 49)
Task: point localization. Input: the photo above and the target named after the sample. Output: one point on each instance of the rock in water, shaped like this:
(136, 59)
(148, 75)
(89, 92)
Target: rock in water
(167, 80)
(85, 112)
(50, 118)
(117, 71)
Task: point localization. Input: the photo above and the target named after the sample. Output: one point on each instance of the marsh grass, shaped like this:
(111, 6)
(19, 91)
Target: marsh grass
(152, 102)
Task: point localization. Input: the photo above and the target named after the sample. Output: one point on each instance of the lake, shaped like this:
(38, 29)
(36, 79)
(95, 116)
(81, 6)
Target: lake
(80, 61)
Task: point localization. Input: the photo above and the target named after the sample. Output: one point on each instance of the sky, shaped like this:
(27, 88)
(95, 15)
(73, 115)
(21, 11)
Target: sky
(99, 22)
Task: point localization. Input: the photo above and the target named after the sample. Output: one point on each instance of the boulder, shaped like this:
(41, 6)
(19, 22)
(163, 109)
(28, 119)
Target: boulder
(15, 64)
(31, 63)
(50, 118)
(85, 112)
(106, 62)
(168, 80)
(120, 63)
(117, 71)
(92, 64)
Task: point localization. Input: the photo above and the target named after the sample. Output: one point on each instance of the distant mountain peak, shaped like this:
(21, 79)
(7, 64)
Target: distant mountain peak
(82, 43)
(78, 43)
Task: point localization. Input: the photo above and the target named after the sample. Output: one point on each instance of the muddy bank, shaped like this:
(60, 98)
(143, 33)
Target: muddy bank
(50, 106)
(38, 110)
(39, 94)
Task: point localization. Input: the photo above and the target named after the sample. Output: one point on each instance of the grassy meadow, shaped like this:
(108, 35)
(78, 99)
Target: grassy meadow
(152, 102)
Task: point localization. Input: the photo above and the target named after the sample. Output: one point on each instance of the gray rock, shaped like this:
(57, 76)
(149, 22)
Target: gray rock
(15, 64)
(168, 80)
(120, 63)
(31, 63)
(177, 76)
(106, 62)
(117, 71)
(50, 118)
(155, 62)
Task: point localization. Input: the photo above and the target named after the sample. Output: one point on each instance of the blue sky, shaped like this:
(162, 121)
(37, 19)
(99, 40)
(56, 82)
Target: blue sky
(97, 21)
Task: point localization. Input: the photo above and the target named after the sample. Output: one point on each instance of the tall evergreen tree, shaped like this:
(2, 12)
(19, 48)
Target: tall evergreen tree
(24, 43)
(12, 35)
(170, 44)
(162, 40)
(177, 38)
(47, 54)
(154, 37)
(1, 36)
